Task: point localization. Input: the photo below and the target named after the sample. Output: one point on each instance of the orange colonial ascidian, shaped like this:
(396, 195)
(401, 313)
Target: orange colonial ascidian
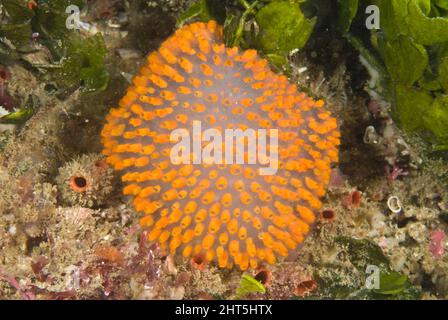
(228, 213)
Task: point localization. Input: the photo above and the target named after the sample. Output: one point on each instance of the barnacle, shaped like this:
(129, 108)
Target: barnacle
(305, 288)
(198, 261)
(86, 181)
(352, 200)
(78, 183)
(226, 212)
(327, 215)
(263, 276)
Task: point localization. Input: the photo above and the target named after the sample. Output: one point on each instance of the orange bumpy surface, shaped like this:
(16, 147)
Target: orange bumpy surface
(227, 213)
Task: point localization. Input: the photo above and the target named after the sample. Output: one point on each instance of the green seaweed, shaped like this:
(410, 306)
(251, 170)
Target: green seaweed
(249, 285)
(436, 118)
(47, 19)
(410, 18)
(412, 32)
(443, 67)
(283, 27)
(392, 283)
(203, 10)
(23, 112)
(234, 26)
(18, 116)
(83, 66)
(19, 29)
(78, 60)
(401, 53)
(441, 4)
(348, 10)
(410, 106)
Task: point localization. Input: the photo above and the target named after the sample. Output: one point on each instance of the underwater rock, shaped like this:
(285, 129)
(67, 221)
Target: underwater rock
(418, 231)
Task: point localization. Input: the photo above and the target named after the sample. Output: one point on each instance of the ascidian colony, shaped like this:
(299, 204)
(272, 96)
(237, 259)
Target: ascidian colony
(224, 212)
